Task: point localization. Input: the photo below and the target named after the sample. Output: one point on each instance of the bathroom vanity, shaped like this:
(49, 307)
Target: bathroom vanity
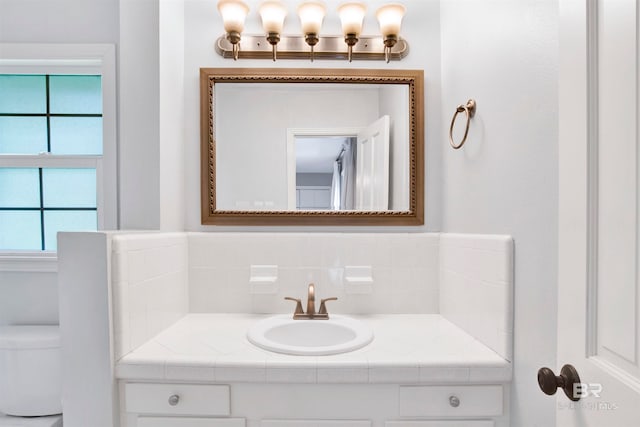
(169, 347)
(418, 367)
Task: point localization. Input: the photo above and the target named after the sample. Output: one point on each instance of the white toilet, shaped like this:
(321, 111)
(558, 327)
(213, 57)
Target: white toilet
(30, 370)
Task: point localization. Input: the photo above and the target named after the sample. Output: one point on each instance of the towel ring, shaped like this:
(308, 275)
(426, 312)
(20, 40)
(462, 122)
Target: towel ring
(469, 110)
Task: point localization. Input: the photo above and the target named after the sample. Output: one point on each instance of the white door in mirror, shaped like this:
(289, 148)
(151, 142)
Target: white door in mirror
(282, 334)
(372, 170)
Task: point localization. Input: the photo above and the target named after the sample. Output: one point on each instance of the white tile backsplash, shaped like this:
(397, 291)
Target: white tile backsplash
(476, 287)
(361, 269)
(159, 277)
(149, 277)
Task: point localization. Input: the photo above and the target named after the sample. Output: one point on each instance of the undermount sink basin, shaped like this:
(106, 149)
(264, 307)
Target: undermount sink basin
(282, 334)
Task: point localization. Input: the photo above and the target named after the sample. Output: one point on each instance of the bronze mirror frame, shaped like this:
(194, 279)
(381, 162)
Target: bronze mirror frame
(413, 78)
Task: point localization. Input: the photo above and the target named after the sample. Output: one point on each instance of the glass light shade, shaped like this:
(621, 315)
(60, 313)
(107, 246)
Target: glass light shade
(311, 15)
(390, 18)
(351, 17)
(273, 14)
(234, 13)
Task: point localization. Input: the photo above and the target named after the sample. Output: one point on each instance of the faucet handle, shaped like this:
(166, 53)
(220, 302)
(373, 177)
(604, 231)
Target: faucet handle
(298, 309)
(323, 307)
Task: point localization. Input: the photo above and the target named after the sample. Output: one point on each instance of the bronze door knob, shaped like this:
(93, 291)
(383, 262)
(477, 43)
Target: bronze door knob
(549, 382)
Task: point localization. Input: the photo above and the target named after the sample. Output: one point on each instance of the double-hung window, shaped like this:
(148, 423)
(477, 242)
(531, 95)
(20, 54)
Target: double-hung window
(57, 144)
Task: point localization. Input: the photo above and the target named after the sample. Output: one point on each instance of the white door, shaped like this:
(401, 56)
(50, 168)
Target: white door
(599, 169)
(372, 166)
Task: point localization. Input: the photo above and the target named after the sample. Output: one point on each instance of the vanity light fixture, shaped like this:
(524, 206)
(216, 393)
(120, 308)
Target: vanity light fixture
(351, 17)
(390, 19)
(273, 13)
(387, 46)
(311, 15)
(234, 13)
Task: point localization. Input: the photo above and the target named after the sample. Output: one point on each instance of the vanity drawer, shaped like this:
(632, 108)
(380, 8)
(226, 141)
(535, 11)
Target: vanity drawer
(314, 423)
(441, 423)
(177, 399)
(190, 422)
(438, 401)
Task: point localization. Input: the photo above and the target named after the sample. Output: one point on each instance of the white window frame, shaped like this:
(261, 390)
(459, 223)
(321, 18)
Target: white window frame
(54, 59)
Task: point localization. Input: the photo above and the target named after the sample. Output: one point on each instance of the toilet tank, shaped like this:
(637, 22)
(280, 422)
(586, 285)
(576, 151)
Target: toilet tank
(30, 370)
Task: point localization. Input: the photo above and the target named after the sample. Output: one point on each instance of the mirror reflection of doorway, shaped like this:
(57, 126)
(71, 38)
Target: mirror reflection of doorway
(339, 169)
(325, 168)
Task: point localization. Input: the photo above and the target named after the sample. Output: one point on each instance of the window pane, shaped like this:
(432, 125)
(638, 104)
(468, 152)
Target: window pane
(69, 188)
(76, 135)
(75, 94)
(55, 221)
(23, 135)
(20, 230)
(19, 188)
(23, 94)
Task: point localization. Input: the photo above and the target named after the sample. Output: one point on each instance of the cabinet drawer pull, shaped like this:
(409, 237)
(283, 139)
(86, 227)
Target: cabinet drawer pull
(174, 399)
(454, 401)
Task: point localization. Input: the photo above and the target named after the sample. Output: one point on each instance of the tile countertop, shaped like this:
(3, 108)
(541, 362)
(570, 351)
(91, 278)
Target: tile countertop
(424, 348)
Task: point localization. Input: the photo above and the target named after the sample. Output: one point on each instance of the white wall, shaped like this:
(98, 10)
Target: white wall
(504, 180)
(171, 80)
(28, 298)
(59, 21)
(139, 114)
(420, 28)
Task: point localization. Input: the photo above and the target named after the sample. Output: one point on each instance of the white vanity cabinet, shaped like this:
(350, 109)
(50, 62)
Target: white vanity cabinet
(312, 405)
(420, 371)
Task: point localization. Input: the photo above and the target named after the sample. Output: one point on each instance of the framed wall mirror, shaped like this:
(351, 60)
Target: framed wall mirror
(312, 146)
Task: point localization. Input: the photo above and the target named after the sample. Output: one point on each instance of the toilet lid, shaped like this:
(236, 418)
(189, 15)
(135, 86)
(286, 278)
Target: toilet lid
(29, 336)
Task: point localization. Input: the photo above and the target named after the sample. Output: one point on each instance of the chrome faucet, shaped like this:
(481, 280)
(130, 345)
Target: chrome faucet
(311, 306)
